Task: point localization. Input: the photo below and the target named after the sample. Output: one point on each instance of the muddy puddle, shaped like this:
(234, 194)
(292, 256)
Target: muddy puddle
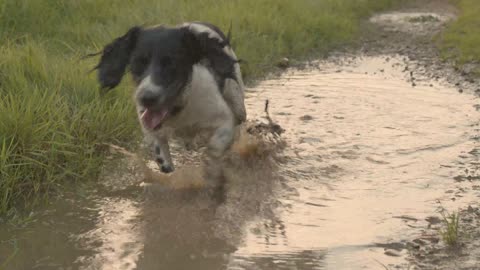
(372, 153)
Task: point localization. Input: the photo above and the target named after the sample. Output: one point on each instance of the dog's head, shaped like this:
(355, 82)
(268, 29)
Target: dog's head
(161, 60)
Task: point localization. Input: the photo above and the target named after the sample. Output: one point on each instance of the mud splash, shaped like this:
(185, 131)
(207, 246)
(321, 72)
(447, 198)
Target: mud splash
(372, 150)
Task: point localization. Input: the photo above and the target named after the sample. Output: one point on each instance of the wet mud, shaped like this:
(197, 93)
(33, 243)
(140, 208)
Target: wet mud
(358, 155)
(413, 31)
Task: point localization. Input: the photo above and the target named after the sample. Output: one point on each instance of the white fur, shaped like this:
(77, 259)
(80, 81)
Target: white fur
(205, 106)
(147, 84)
(233, 93)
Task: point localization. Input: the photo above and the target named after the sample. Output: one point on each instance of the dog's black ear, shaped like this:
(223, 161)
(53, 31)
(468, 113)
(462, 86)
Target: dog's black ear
(115, 58)
(202, 46)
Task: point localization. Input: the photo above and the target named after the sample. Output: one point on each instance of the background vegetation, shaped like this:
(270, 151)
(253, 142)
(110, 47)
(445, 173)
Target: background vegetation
(461, 41)
(52, 118)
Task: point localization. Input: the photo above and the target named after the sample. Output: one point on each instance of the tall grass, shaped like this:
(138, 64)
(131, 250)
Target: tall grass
(52, 118)
(461, 40)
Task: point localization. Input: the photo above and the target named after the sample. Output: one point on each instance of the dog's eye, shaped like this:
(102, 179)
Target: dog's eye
(140, 63)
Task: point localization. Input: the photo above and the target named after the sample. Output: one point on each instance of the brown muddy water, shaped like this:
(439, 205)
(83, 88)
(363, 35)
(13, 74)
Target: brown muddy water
(372, 151)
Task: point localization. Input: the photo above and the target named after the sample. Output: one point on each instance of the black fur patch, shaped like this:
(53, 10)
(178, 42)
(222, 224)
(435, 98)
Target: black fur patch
(220, 62)
(118, 54)
(115, 58)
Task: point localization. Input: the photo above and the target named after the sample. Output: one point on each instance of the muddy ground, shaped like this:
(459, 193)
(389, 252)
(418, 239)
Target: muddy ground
(378, 138)
(413, 31)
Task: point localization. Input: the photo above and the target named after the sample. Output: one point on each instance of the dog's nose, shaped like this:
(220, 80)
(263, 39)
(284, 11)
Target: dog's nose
(148, 98)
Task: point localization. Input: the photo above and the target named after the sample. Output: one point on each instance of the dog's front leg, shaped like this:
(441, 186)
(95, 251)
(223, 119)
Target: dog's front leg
(162, 154)
(219, 143)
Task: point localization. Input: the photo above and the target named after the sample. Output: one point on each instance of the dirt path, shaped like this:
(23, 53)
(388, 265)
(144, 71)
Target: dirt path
(412, 31)
(377, 140)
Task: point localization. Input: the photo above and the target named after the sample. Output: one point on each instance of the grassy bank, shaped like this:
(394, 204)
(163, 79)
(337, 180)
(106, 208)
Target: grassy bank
(461, 40)
(52, 119)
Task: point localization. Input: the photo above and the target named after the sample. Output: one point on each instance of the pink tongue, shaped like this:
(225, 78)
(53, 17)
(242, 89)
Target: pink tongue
(152, 119)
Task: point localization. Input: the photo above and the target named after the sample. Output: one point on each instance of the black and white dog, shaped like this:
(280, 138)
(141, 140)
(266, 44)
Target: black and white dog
(187, 79)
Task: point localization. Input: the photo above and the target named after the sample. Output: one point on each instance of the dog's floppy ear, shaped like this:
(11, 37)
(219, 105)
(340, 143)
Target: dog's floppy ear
(202, 46)
(115, 58)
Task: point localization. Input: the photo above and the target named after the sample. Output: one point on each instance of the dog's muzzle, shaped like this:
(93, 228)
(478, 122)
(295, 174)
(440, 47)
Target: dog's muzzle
(150, 97)
(154, 114)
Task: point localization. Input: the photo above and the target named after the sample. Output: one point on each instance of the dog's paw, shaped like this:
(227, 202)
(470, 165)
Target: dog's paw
(166, 168)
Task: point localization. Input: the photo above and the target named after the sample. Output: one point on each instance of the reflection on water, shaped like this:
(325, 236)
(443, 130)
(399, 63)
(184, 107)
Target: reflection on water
(116, 237)
(371, 151)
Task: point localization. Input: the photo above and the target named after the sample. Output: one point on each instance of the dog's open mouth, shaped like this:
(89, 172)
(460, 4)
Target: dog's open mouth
(153, 119)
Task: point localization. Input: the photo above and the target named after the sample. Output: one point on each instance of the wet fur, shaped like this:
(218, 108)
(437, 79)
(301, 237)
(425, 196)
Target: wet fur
(206, 96)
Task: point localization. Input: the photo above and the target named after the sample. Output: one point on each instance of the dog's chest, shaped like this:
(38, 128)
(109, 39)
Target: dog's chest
(203, 105)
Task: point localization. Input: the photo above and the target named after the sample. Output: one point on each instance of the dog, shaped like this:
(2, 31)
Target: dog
(187, 81)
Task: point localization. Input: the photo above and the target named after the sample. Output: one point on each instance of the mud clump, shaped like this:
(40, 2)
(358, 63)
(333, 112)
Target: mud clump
(283, 63)
(265, 128)
(306, 118)
(423, 19)
(262, 129)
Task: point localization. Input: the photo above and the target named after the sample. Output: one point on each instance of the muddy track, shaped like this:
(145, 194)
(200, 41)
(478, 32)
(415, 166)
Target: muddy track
(412, 31)
(376, 140)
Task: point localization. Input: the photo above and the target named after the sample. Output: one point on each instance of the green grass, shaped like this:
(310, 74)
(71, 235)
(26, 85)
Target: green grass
(451, 228)
(461, 40)
(52, 118)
